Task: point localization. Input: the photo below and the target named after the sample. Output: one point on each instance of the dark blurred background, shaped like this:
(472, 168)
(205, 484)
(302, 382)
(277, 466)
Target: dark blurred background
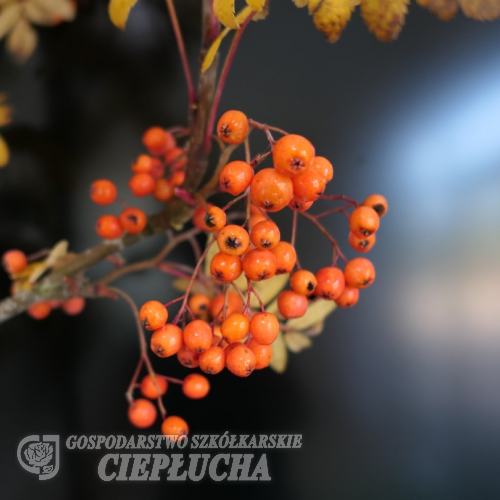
(398, 399)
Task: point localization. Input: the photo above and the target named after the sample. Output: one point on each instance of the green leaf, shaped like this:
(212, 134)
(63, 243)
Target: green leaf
(297, 341)
(316, 313)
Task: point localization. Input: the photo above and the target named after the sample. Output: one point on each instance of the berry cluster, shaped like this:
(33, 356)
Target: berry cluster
(158, 174)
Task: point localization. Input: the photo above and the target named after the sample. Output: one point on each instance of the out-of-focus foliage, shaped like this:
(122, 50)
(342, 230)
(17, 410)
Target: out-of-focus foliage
(119, 10)
(5, 117)
(17, 18)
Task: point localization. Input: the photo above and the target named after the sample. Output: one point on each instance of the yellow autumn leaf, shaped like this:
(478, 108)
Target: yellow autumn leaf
(214, 48)
(444, 9)
(279, 358)
(481, 10)
(312, 5)
(297, 341)
(384, 18)
(224, 12)
(331, 17)
(5, 111)
(119, 11)
(300, 3)
(4, 153)
(257, 5)
(316, 313)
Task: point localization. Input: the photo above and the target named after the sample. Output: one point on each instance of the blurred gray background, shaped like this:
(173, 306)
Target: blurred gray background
(398, 399)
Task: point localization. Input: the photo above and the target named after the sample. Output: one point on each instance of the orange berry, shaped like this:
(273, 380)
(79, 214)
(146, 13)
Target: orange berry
(364, 244)
(40, 310)
(349, 297)
(148, 165)
(142, 413)
(166, 341)
(265, 235)
(378, 203)
(330, 283)
(235, 327)
(262, 353)
(158, 141)
(175, 428)
(133, 220)
(233, 240)
(109, 227)
(286, 257)
(213, 360)
(199, 216)
(299, 204)
(291, 304)
(292, 155)
(73, 306)
(176, 159)
(188, 358)
(364, 221)
(197, 336)
(236, 177)
(271, 190)
(199, 304)
(148, 387)
(103, 192)
(303, 282)
(309, 185)
(195, 386)
(142, 184)
(214, 219)
(259, 264)
(234, 304)
(14, 261)
(264, 327)
(240, 360)
(164, 190)
(255, 219)
(226, 268)
(216, 335)
(177, 178)
(233, 127)
(359, 273)
(323, 167)
(153, 315)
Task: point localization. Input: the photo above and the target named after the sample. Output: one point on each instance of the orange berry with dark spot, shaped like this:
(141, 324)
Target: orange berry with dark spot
(142, 413)
(291, 304)
(150, 390)
(359, 273)
(109, 227)
(142, 184)
(199, 216)
(292, 154)
(40, 310)
(309, 185)
(364, 221)
(259, 265)
(14, 261)
(195, 386)
(103, 192)
(158, 141)
(235, 327)
(236, 177)
(153, 315)
(233, 240)
(73, 306)
(264, 327)
(166, 341)
(330, 283)
(303, 282)
(240, 360)
(164, 190)
(271, 190)
(378, 203)
(213, 360)
(175, 428)
(188, 358)
(262, 353)
(265, 235)
(133, 220)
(364, 244)
(286, 257)
(197, 336)
(233, 127)
(226, 268)
(349, 297)
(214, 219)
(299, 204)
